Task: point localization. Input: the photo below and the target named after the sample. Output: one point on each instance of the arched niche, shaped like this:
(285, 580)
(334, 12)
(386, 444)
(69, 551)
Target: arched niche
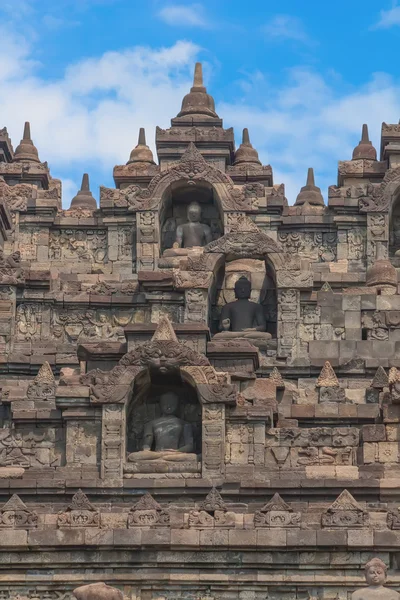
(261, 274)
(175, 201)
(143, 406)
(245, 251)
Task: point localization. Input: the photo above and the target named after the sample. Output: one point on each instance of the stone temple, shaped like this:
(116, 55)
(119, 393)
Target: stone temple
(200, 384)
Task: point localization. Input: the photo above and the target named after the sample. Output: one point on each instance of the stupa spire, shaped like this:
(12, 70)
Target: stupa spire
(198, 76)
(198, 102)
(84, 198)
(26, 150)
(310, 193)
(364, 149)
(141, 153)
(246, 153)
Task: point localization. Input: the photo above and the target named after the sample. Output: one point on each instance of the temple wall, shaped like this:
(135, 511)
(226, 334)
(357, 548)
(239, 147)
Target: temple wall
(288, 482)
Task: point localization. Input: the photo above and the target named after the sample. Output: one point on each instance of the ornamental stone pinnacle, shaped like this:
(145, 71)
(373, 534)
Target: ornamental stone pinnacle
(310, 193)
(141, 153)
(365, 148)
(327, 377)
(45, 374)
(198, 102)
(26, 150)
(246, 153)
(277, 378)
(381, 379)
(164, 331)
(84, 198)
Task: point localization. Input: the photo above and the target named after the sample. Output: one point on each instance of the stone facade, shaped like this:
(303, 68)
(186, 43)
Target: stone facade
(289, 480)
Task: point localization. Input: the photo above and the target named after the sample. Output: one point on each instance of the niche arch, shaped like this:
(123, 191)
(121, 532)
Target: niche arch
(143, 406)
(175, 201)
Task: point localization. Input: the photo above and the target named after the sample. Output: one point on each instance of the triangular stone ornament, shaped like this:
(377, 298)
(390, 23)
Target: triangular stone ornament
(147, 512)
(146, 502)
(345, 501)
(16, 515)
(276, 513)
(192, 154)
(80, 513)
(381, 379)
(45, 374)
(346, 512)
(327, 377)
(276, 503)
(244, 224)
(14, 503)
(80, 500)
(164, 331)
(326, 287)
(43, 388)
(213, 502)
(276, 378)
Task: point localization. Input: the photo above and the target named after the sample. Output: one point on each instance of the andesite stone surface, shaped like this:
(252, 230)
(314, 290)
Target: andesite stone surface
(218, 420)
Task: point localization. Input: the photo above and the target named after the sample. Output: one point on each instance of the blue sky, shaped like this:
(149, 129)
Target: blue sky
(302, 75)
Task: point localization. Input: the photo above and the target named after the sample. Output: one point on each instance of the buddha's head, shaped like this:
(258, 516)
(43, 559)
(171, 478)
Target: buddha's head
(194, 212)
(242, 288)
(375, 572)
(169, 403)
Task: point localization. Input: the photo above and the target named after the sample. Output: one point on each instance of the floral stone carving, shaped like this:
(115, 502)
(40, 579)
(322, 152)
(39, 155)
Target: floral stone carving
(244, 240)
(43, 387)
(147, 513)
(345, 512)
(16, 515)
(277, 513)
(80, 513)
(212, 512)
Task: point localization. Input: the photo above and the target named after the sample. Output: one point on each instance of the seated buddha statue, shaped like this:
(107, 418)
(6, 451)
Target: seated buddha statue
(167, 438)
(375, 575)
(191, 234)
(243, 318)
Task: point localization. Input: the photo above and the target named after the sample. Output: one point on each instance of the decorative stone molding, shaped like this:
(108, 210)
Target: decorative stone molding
(14, 514)
(345, 512)
(147, 513)
(381, 379)
(43, 387)
(164, 353)
(276, 513)
(327, 377)
(245, 240)
(212, 512)
(379, 197)
(192, 169)
(80, 513)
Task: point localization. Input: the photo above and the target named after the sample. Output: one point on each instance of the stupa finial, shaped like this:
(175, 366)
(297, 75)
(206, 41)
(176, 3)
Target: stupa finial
(141, 153)
(26, 150)
(364, 149)
(84, 198)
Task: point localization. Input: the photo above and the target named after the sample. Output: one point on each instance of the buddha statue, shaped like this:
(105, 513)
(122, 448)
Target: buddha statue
(375, 575)
(167, 438)
(243, 318)
(192, 234)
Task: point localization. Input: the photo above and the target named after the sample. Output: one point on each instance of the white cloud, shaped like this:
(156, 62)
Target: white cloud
(286, 27)
(184, 15)
(306, 122)
(88, 119)
(92, 114)
(388, 18)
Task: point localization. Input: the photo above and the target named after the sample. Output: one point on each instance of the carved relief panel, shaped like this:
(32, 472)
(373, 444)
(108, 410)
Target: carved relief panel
(316, 246)
(78, 244)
